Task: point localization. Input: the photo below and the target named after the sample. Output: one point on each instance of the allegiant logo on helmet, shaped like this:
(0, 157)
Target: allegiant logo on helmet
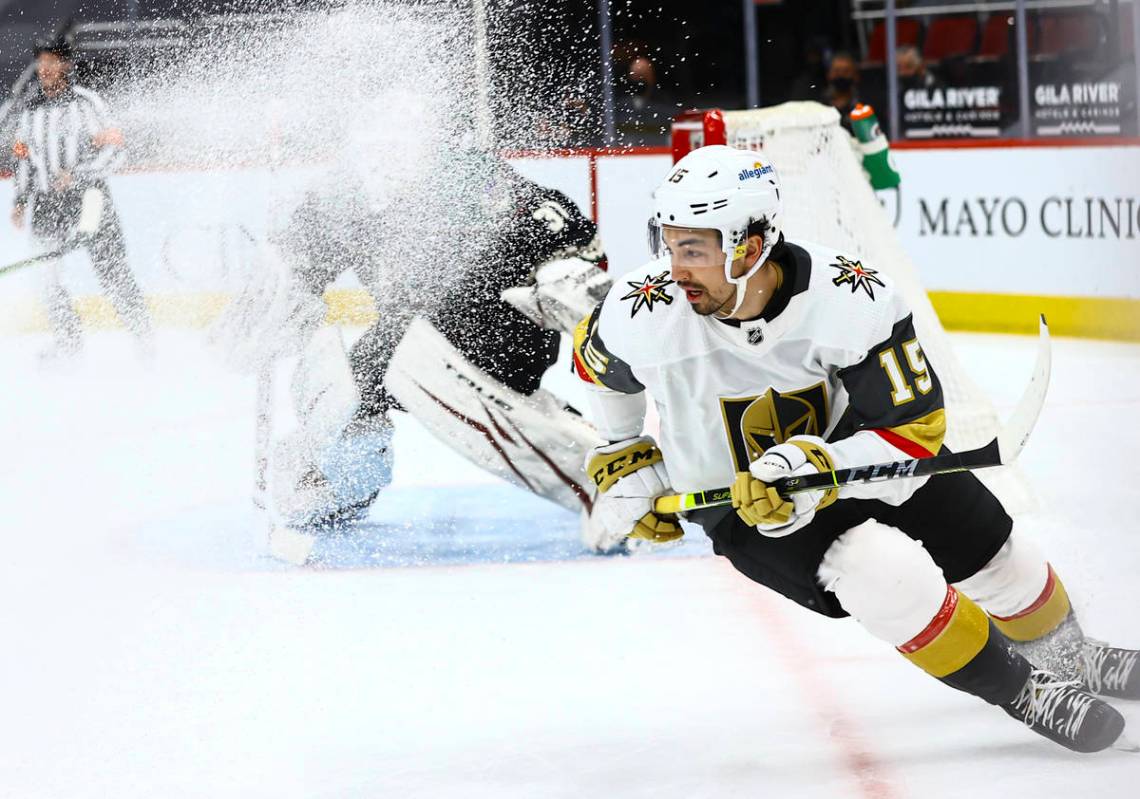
(758, 170)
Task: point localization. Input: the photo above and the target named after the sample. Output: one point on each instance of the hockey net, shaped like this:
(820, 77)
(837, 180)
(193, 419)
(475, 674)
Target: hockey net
(828, 200)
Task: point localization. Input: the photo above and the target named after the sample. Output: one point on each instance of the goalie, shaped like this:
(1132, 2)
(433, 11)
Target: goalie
(461, 345)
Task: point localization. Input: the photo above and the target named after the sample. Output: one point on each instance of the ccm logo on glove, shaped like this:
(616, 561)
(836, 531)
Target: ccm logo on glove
(607, 471)
(629, 474)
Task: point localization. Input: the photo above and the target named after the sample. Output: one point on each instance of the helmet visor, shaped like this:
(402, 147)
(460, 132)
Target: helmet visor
(686, 248)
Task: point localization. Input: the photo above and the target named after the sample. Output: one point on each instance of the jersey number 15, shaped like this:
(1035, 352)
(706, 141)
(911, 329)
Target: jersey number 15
(902, 391)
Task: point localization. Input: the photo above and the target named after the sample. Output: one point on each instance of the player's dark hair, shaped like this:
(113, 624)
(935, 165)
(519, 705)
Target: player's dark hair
(757, 228)
(760, 228)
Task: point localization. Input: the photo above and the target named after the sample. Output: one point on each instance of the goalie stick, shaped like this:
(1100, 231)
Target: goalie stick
(1001, 451)
(291, 546)
(263, 431)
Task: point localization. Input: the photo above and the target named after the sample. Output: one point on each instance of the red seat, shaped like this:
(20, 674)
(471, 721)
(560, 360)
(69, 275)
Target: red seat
(950, 36)
(999, 32)
(1062, 33)
(906, 30)
(996, 35)
(1126, 41)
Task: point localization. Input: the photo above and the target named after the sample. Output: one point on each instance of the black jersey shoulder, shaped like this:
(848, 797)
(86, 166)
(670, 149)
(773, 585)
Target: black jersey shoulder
(895, 389)
(796, 266)
(595, 363)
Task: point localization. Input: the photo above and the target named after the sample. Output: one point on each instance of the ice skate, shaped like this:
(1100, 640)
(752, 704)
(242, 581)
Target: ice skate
(59, 352)
(1109, 670)
(1065, 714)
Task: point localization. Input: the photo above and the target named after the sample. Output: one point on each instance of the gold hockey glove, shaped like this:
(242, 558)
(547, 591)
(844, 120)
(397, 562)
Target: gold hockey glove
(758, 503)
(629, 475)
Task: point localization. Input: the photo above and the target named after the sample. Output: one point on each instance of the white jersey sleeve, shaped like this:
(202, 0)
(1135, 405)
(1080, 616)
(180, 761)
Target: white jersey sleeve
(834, 355)
(616, 399)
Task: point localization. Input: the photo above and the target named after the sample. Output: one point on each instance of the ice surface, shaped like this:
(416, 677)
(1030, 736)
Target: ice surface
(151, 649)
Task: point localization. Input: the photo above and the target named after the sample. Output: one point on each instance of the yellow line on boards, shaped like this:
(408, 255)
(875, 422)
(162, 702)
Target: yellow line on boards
(345, 307)
(1084, 317)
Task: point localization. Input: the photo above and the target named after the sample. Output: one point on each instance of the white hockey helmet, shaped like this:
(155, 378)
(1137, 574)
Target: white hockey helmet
(723, 189)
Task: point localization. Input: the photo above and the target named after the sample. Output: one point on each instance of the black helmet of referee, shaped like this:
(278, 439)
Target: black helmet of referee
(60, 47)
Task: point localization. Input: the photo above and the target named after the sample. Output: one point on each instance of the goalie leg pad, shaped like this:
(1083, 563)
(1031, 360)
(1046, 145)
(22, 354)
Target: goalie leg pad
(272, 316)
(884, 579)
(531, 441)
(339, 488)
(332, 466)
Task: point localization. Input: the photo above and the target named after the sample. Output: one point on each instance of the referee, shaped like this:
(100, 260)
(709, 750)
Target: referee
(66, 145)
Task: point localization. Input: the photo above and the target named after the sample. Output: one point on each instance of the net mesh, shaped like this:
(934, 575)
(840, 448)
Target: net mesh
(828, 200)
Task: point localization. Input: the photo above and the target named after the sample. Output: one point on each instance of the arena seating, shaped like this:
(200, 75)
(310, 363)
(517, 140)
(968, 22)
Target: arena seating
(1126, 41)
(908, 30)
(1063, 33)
(1050, 33)
(950, 36)
(963, 50)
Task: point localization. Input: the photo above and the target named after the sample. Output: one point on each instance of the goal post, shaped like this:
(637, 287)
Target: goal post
(828, 200)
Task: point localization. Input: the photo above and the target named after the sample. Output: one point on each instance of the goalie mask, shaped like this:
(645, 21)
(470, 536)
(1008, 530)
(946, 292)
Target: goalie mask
(723, 189)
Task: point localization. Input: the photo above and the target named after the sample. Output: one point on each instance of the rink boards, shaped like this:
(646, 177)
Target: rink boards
(998, 233)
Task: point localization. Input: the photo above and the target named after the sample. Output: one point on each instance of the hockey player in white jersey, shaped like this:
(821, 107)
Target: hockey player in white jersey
(767, 358)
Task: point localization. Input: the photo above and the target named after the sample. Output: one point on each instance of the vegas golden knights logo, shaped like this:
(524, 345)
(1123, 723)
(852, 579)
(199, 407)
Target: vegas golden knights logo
(854, 274)
(754, 424)
(649, 292)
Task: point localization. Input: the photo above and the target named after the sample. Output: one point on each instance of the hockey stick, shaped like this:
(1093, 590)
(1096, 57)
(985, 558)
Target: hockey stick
(90, 216)
(50, 255)
(1001, 451)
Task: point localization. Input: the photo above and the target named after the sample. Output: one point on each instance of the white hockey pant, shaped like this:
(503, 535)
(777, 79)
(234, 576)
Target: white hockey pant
(890, 584)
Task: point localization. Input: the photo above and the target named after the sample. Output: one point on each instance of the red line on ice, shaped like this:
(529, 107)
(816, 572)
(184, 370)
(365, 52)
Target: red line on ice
(802, 662)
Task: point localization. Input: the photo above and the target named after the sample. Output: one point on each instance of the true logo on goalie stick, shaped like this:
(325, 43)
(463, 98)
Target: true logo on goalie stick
(857, 275)
(648, 292)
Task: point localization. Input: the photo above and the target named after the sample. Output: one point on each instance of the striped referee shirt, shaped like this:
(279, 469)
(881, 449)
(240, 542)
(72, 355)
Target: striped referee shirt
(71, 132)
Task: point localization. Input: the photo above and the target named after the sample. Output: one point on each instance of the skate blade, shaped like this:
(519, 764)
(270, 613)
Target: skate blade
(1126, 744)
(290, 545)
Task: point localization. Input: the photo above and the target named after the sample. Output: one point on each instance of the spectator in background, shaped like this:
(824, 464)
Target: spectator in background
(570, 122)
(912, 69)
(809, 83)
(66, 146)
(842, 92)
(641, 116)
